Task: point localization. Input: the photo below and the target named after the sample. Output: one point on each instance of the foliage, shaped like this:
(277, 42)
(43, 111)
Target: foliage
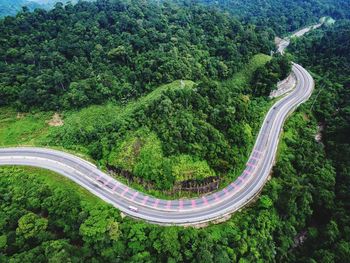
(141, 154)
(303, 213)
(265, 78)
(93, 231)
(302, 190)
(93, 52)
(283, 16)
(186, 168)
(22, 128)
(211, 123)
(244, 77)
(184, 119)
(11, 7)
(327, 53)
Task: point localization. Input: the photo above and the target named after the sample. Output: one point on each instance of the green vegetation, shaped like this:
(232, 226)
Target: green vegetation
(243, 77)
(11, 7)
(141, 155)
(212, 125)
(94, 231)
(327, 53)
(122, 64)
(207, 127)
(91, 53)
(265, 78)
(282, 16)
(178, 124)
(22, 129)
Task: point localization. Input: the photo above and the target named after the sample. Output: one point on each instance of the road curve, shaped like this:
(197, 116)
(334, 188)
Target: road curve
(183, 211)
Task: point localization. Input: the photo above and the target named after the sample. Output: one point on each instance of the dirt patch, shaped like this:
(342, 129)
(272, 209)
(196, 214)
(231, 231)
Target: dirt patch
(137, 147)
(306, 117)
(320, 129)
(20, 115)
(278, 40)
(56, 120)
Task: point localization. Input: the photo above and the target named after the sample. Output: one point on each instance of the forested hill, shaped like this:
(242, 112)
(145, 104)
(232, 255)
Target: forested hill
(73, 56)
(283, 16)
(12, 7)
(327, 54)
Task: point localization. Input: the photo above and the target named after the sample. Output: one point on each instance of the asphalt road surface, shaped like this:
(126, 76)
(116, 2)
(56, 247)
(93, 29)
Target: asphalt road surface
(286, 41)
(185, 211)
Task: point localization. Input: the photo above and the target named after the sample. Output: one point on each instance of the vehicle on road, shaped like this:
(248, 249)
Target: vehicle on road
(133, 208)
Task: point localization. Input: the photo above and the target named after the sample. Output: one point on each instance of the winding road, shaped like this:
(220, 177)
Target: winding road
(176, 212)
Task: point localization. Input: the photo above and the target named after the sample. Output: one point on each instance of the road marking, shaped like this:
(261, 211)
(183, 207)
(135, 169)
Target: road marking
(124, 192)
(251, 165)
(145, 199)
(193, 203)
(115, 188)
(107, 181)
(134, 195)
(217, 198)
(156, 203)
(239, 181)
(233, 184)
(255, 158)
(168, 205)
(205, 200)
(225, 191)
(181, 204)
(247, 172)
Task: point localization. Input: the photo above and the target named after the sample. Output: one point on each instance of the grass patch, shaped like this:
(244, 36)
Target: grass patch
(243, 77)
(22, 129)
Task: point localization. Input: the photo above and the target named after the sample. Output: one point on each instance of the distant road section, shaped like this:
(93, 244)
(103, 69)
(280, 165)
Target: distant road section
(184, 211)
(284, 43)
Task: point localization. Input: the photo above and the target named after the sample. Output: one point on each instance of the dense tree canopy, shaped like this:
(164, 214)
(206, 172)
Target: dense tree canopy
(283, 16)
(209, 126)
(118, 51)
(11, 7)
(265, 79)
(327, 53)
(73, 56)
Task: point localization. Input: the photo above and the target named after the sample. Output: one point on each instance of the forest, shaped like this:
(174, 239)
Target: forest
(327, 54)
(164, 93)
(208, 126)
(12, 7)
(134, 59)
(283, 17)
(91, 53)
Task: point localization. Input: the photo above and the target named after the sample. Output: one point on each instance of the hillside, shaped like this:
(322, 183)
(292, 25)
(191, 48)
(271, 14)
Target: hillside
(179, 122)
(92, 53)
(283, 16)
(168, 97)
(327, 54)
(12, 7)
